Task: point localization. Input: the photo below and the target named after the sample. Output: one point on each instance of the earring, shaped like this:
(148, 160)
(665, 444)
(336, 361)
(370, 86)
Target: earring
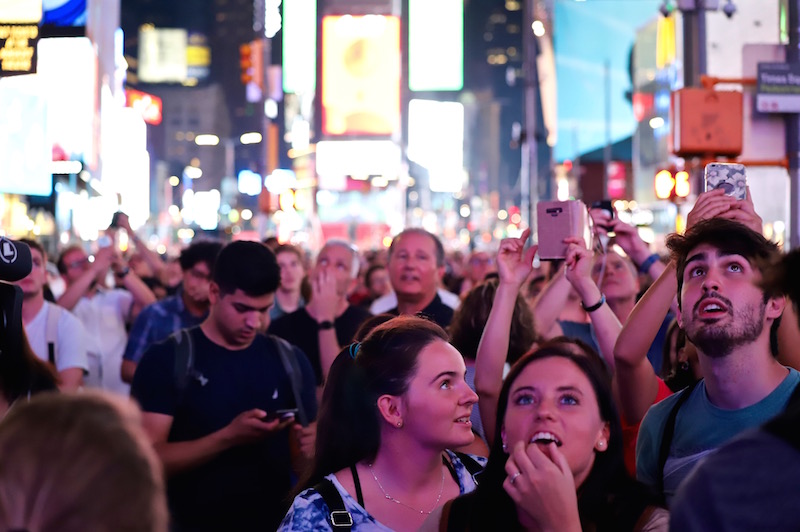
(399, 424)
(601, 443)
(505, 447)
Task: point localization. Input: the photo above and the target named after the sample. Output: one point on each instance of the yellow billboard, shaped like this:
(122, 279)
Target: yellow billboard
(360, 75)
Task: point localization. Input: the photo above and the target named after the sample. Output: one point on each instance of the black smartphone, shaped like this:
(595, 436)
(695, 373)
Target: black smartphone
(282, 415)
(115, 220)
(608, 207)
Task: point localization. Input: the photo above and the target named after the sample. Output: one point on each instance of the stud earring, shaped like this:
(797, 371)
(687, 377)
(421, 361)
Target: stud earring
(399, 424)
(505, 447)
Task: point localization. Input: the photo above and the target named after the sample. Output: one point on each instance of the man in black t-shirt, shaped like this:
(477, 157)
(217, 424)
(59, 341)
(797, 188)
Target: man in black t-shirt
(227, 467)
(328, 322)
(416, 267)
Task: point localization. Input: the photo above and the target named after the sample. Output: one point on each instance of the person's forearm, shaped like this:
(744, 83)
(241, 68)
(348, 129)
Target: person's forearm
(605, 323)
(152, 258)
(549, 302)
(184, 455)
(328, 350)
(127, 371)
(75, 291)
(70, 379)
(142, 295)
(644, 321)
(492, 353)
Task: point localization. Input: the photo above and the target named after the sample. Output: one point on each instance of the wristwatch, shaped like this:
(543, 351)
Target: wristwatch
(324, 325)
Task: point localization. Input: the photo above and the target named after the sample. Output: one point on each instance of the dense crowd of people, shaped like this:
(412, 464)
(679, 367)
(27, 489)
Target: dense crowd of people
(253, 386)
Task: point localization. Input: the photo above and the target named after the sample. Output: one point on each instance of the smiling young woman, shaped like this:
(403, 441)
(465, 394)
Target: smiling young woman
(392, 408)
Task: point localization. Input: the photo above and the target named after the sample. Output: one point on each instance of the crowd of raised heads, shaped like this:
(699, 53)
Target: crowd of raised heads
(629, 385)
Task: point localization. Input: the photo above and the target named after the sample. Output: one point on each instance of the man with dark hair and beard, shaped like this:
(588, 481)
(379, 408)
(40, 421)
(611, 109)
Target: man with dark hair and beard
(728, 318)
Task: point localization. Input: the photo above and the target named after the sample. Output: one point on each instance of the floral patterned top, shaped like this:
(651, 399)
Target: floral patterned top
(310, 513)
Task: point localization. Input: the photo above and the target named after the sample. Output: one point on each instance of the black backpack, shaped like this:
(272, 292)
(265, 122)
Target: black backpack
(185, 370)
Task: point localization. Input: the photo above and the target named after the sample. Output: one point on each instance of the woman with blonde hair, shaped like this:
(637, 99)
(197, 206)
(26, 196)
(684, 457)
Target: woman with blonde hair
(78, 462)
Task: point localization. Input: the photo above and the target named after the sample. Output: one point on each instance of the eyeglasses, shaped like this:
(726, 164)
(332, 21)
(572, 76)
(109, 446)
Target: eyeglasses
(77, 263)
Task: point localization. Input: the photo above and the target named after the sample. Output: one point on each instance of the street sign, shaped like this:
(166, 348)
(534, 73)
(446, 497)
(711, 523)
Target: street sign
(778, 88)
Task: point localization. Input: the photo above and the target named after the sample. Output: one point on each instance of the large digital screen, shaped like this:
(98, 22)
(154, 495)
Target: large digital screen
(25, 150)
(435, 45)
(299, 46)
(360, 75)
(63, 18)
(586, 66)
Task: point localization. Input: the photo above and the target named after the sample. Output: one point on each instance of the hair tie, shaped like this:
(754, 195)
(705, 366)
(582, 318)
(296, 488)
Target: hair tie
(354, 347)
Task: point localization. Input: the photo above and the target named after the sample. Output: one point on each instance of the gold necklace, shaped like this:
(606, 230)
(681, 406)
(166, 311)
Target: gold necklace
(390, 498)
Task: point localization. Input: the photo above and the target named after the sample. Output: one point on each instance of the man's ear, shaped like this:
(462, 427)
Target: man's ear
(775, 306)
(213, 293)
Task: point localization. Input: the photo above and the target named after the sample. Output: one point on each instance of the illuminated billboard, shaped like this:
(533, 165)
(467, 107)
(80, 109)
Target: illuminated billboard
(25, 151)
(147, 105)
(299, 46)
(436, 142)
(360, 75)
(163, 55)
(435, 45)
(64, 18)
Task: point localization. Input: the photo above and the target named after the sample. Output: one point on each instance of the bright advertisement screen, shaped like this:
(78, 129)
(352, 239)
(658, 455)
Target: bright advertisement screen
(436, 142)
(435, 45)
(360, 75)
(16, 11)
(68, 71)
(299, 46)
(25, 152)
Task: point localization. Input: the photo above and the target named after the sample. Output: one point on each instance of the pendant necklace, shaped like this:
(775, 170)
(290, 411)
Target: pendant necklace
(390, 498)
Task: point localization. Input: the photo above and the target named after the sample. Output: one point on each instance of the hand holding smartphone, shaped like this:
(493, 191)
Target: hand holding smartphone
(558, 220)
(731, 177)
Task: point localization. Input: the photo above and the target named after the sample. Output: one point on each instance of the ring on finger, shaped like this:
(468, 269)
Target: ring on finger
(514, 477)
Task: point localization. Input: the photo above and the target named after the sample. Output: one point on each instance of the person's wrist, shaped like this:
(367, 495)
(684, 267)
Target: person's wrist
(325, 325)
(122, 272)
(595, 306)
(646, 264)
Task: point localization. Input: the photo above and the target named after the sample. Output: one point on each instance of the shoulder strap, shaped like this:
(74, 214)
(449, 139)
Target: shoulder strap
(669, 432)
(292, 368)
(357, 484)
(184, 359)
(339, 517)
(51, 331)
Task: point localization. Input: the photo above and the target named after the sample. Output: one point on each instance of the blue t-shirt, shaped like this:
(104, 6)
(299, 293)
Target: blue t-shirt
(156, 322)
(700, 427)
(310, 513)
(244, 487)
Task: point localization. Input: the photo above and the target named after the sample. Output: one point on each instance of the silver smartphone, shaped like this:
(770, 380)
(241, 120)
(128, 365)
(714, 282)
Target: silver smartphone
(731, 177)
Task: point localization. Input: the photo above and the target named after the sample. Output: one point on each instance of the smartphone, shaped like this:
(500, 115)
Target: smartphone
(731, 177)
(558, 220)
(283, 415)
(608, 207)
(104, 241)
(115, 220)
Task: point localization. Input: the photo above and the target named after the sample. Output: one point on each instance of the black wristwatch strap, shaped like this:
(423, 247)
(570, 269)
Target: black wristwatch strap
(324, 325)
(596, 305)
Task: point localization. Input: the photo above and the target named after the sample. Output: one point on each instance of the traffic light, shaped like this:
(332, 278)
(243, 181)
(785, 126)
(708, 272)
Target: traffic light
(672, 184)
(246, 63)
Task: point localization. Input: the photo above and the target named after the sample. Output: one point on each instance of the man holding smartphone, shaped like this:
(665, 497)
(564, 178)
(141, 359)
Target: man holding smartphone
(228, 462)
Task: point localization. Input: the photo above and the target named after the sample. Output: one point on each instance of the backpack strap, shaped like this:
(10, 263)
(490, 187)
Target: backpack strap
(339, 517)
(669, 432)
(184, 359)
(51, 331)
(292, 368)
